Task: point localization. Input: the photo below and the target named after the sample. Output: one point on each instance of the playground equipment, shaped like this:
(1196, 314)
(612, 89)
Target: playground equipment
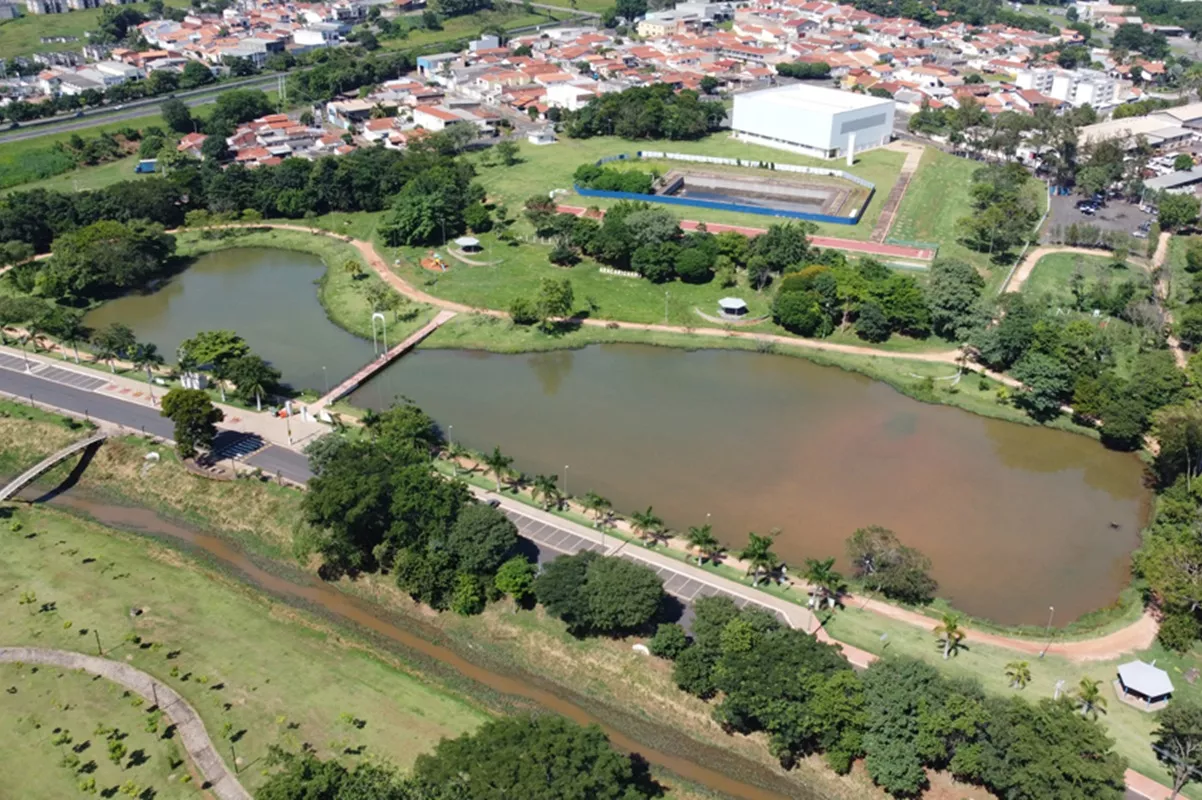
(433, 262)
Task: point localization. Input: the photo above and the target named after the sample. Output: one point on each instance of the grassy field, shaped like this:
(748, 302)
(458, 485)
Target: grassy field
(258, 672)
(22, 36)
(937, 198)
(550, 167)
(29, 162)
(43, 703)
(85, 178)
(470, 25)
(1052, 276)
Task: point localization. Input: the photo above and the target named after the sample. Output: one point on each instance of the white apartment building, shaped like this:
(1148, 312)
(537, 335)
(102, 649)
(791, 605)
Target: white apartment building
(1075, 87)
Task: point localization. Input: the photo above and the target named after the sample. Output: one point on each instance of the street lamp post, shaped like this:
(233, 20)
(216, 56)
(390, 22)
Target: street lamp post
(565, 480)
(325, 375)
(1048, 632)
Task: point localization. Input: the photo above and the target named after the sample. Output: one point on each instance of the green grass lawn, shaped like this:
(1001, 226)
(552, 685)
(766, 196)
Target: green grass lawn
(41, 701)
(548, 167)
(22, 36)
(1052, 276)
(86, 178)
(470, 25)
(938, 197)
(244, 662)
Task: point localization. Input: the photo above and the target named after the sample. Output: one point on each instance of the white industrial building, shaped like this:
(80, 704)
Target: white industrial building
(813, 120)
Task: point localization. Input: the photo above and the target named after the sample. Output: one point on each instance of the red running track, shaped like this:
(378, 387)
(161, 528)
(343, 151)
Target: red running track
(846, 245)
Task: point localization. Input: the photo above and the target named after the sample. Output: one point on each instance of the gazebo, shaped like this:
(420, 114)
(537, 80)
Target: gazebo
(732, 307)
(468, 244)
(1144, 685)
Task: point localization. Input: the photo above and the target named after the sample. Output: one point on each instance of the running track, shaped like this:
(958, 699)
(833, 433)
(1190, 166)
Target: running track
(846, 245)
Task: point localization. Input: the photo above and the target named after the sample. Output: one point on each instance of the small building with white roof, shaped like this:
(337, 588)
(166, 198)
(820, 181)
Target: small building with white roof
(1144, 685)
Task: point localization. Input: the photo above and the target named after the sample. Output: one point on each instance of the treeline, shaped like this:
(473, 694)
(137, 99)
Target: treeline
(1003, 214)
(804, 70)
(974, 12)
(901, 715)
(1188, 325)
(338, 70)
(645, 112)
(559, 760)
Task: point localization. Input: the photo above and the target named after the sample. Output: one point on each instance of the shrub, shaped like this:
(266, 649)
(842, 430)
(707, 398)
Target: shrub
(523, 311)
(1178, 631)
(669, 641)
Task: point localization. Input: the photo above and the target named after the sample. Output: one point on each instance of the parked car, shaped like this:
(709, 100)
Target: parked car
(1140, 233)
(1089, 210)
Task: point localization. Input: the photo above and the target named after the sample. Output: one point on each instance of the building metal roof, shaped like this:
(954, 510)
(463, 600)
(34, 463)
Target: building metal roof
(1146, 679)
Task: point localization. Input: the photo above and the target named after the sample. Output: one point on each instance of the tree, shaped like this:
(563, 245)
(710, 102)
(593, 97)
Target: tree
(115, 341)
(146, 357)
(195, 419)
(1183, 161)
(177, 116)
(516, 578)
(597, 505)
(105, 258)
(506, 152)
(554, 299)
(1019, 674)
(252, 376)
(66, 325)
(826, 585)
(1047, 383)
(949, 635)
(798, 312)
(888, 566)
(1090, 701)
(709, 84)
(523, 311)
(354, 268)
(759, 557)
(702, 540)
(215, 149)
(498, 464)
(547, 486)
(670, 641)
(597, 594)
(954, 289)
(535, 758)
(1178, 742)
(645, 524)
(1176, 211)
(195, 74)
(872, 325)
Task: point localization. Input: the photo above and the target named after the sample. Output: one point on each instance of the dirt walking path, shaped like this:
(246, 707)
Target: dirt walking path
(884, 223)
(192, 735)
(1025, 269)
(1163, 279)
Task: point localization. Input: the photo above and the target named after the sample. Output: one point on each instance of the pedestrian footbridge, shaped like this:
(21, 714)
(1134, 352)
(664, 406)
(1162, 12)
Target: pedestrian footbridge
(46, 464)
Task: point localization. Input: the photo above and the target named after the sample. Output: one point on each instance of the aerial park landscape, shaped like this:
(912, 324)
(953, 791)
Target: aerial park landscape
(719, 464)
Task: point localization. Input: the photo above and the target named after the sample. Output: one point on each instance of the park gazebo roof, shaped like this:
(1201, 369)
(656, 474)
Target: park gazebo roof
(732, 304)
(467, 241)
(1145, 679)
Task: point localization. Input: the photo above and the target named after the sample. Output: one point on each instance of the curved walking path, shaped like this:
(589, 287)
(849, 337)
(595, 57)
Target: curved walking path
(188, 725)
(1025, 269)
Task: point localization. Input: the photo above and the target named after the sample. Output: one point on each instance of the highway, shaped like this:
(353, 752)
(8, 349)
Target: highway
(86, 401)
(131, 110)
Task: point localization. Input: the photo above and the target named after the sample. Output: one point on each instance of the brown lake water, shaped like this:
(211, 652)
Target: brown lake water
(1015, 518)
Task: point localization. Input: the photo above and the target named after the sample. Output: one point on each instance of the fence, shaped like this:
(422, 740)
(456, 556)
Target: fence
(717, 205)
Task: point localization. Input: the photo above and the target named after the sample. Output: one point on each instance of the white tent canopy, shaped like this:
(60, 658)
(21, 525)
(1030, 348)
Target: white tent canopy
(1145, 679)
(732, 305)
(467, 241)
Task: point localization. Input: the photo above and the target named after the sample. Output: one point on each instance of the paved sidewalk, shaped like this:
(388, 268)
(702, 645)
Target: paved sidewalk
(192, 734)
(97, 378)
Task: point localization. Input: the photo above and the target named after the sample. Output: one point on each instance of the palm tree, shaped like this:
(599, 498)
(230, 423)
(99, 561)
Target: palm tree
(598, 505)
(72, 331)
(547, 486)
(456, 451)
(498, 464)
(103, 350)
(1089, 698)
(826, 585)
(645, 523)
(1019, 673)
(146, 356)
(949, 635)
(702, 540)
(759, 557)
(219, 375)
(34, 331)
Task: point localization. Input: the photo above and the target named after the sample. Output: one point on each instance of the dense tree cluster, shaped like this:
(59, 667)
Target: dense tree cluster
(103, 259)
(610, 179)
(887, 566)
(339, 70)
(645, 112)
(536, 758)
(1188, 324)
(902, 715)
(1002, 213)
(600, 594)
(805, 70)
(377, 504)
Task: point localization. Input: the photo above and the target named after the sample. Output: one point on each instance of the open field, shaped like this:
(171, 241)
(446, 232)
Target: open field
(27, 161)
(551, 167)
(85, 178)
(937, 198)
(258, 672)
(42, 702)
(470, 25)
(1053, 274)
(22, 36)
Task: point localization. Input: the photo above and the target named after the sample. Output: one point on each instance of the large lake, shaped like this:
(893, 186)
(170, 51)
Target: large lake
(1015, 518)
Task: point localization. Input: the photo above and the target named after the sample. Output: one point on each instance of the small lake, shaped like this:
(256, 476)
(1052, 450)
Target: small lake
(1015, 518)
(267, 295)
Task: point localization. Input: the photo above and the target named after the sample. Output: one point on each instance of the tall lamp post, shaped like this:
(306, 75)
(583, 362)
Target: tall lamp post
(565, 480)
(1048, 632)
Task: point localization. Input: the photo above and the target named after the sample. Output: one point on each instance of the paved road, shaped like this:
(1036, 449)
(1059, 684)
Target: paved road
(76, 391)
(191, 730)
(132, 110)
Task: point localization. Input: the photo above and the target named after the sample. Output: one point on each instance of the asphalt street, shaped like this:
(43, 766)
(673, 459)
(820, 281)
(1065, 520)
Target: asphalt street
(14, 381)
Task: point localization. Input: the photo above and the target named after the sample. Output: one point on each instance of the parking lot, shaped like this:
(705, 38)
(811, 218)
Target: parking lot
(1116, 215)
